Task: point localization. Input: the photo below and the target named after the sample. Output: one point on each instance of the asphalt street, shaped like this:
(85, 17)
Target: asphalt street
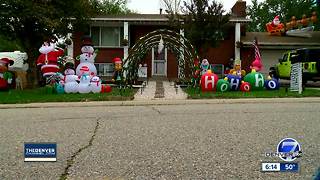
(223, 140)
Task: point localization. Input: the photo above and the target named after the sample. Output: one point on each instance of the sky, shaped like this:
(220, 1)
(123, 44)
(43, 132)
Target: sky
(153, 6)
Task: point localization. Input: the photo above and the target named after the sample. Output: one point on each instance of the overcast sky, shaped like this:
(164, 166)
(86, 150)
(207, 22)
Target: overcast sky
(153, 6)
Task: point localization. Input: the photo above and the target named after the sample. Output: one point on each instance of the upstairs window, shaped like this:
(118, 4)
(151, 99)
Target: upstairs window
(106, 36)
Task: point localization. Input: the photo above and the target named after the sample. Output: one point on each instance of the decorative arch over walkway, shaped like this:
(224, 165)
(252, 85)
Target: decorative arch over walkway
(178, 44)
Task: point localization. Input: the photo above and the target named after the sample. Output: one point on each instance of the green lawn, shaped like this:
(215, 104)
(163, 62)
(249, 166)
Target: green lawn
(195, 93)
(41, 95)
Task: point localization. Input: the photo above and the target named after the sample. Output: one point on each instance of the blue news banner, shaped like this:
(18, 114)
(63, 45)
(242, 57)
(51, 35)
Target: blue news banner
(280, 167)
(40, 152)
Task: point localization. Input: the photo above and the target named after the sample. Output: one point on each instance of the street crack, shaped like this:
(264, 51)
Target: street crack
(156, 110)
(72, 158)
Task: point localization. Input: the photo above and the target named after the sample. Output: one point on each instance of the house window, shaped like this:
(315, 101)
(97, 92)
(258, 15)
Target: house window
(106, 36)
(104, 69)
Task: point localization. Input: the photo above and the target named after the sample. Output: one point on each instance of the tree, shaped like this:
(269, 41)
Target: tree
(112, 7)
(172, 6)
(264, 12)
(203, 22)
(30, 22)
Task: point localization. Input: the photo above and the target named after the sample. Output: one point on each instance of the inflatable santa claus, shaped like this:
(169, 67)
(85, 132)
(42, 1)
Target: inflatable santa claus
(275, 27)
(48, 59)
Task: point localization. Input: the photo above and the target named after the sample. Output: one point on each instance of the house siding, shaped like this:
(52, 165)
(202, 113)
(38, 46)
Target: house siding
(77, 43)
(105, 55)
(218, 55)
(222, 53)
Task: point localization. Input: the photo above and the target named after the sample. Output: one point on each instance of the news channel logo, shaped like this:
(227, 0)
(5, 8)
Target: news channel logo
(40, 152)
(288, 150)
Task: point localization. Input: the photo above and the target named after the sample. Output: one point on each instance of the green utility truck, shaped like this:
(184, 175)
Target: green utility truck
(310, 59)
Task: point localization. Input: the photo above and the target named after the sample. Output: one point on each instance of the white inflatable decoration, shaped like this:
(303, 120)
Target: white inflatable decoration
(70, 79)
(84, 85)
(87, 49)
(95, 84)
(87, 59)
(160, 46)
(87, 62)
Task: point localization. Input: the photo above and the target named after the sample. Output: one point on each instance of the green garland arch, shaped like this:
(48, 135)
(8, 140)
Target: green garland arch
(178, 44)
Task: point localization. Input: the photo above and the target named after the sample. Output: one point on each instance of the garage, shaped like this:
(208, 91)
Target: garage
(273, 47)
(270, 58)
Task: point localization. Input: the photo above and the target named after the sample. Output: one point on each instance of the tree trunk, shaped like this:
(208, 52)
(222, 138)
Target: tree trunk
(33, 74)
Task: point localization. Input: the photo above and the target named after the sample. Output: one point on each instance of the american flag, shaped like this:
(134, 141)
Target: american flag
(256, 49)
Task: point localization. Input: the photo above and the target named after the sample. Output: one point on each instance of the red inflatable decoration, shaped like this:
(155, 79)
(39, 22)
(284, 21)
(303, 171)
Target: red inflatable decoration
(106, 89)
(48, 59)
(245, 87)
(209, 81)
(275, 27)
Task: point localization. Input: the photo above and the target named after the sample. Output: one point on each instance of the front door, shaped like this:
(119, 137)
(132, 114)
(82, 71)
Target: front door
(159, 62)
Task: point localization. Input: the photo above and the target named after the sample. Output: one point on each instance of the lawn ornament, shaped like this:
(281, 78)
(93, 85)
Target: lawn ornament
(95, 84)
(272, 83)
(86, 65)
(87, 46)
(197, 71)
(275, 27)
(60, 87)
(293, 24)
(234, 81)
(245, 87)
(5, 76)
(205, 66)
(209, 81)
(106, 89)
(50, 89)
(255, 79)
(223, 85)
(84, 85)
(160, 46)
(87, 58)
(48, 59)
(117, 74)
(237, 70)
(70, 81)
(303, 27)
(256, 65)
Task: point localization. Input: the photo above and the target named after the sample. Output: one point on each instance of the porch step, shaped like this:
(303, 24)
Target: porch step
(158, 78)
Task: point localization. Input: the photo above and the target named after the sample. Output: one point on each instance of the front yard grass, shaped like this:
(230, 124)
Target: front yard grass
(41, 95)
(195, 93)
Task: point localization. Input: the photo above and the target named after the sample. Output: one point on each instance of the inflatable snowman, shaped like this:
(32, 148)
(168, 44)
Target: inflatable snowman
(70, 79)
(95, 84)
(87, 58)
(84, 85)
(87, 63)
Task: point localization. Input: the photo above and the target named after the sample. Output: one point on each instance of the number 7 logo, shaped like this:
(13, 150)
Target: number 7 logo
(289, 147)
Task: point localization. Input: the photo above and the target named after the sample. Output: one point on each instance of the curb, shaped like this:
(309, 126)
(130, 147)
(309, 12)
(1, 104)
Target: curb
(160, 102)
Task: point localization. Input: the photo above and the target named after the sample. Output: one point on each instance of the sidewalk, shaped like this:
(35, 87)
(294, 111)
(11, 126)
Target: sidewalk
(163, 102)
(170, 92)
